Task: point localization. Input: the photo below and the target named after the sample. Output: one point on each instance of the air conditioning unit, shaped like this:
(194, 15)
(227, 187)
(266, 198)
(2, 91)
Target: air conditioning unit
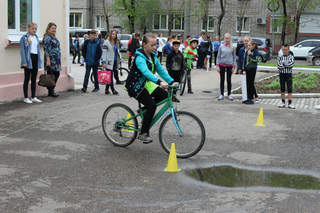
(261, 20)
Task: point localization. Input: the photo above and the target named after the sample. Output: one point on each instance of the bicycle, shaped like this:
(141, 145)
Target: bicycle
(184, 76)
(120, 126)
(123, 73)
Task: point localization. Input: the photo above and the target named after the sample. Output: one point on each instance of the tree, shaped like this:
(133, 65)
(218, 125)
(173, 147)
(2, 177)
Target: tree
(241, 11)
(220, 17)
(301, 6)
(136, 14)
(107, 13)
(202, 10)
(284, 22)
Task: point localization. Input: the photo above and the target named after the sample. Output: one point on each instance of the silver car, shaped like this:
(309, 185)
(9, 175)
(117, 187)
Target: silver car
(124, 39)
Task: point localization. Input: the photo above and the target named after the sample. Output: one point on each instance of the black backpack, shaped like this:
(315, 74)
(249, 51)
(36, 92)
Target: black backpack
(164, 50)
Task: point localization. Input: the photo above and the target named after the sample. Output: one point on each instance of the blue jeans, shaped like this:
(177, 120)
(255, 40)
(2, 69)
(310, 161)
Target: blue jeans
(95, 75)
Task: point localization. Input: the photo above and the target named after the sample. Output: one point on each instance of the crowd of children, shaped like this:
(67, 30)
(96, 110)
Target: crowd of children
(144, 85)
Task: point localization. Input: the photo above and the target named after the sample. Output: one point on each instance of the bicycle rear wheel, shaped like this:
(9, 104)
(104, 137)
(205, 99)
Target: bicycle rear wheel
(113, 124)
(192, 138)
(183, 82)
(123, 73)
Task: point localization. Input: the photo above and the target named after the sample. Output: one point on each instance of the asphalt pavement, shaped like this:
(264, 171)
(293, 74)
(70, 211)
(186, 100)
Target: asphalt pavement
(54, 156)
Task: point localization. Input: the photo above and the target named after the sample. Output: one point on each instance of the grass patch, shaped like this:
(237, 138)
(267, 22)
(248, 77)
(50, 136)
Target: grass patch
(296, 65)
(301, 83)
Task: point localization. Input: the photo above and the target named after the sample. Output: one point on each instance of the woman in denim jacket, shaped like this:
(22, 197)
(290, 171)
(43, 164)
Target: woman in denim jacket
(30, 61)
(52, 54)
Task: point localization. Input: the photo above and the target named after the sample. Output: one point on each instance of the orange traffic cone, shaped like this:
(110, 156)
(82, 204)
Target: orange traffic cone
(172, 165)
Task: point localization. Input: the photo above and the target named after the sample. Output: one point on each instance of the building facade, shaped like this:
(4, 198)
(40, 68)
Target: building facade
(15, 15)
(256, 19)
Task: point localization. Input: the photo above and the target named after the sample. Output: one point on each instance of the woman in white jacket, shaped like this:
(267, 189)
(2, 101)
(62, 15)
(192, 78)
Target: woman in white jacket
(159, 49)
(111, 59)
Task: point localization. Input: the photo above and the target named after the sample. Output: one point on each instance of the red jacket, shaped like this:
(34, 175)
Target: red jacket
(128, 46)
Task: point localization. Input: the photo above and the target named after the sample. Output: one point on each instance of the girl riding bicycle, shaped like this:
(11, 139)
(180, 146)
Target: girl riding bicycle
(143, 85)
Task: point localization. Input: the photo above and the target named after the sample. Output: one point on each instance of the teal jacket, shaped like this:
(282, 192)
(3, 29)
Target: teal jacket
(141, 71)
(25, 52)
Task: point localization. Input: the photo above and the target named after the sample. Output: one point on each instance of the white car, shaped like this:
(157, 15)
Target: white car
(301, 49)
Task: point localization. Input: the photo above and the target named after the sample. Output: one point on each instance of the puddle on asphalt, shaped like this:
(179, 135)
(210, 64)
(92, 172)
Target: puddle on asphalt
(228, 176)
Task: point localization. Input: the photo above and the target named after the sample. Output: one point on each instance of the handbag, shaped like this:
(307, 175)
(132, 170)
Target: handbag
(104, 77)
(47, 80)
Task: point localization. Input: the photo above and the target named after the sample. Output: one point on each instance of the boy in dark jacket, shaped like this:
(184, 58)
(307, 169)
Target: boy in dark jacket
(174, 63)
(91, 52)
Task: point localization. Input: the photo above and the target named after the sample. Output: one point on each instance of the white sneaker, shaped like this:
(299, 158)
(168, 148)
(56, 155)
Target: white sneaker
(291, 106)
(282, 105)
(36, 100)
(28, 101)
(220, 97)
(230, 98)
(214, 67)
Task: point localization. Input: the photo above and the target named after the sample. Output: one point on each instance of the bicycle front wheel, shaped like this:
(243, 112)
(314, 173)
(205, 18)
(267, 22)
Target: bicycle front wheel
(192, 136)
(115, 127)
(123, 73)
(183, 82)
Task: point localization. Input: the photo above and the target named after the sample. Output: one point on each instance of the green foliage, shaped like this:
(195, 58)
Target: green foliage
(299, 81)
(141, 12)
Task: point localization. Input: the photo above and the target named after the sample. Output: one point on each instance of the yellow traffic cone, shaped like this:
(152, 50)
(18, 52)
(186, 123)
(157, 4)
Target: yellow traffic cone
(129, 123)
(172, 162)
(260, 119)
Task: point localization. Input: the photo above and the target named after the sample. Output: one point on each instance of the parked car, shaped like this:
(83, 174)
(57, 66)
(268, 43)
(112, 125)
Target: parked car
(124, 39)
(264, 47)
(314, 56)
(301, 49)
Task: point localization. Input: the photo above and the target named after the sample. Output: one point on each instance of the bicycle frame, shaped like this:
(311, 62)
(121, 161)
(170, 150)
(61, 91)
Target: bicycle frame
(168, 104)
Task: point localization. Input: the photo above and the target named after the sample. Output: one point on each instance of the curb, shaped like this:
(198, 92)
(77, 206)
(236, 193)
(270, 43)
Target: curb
(275, 96)
(294, 68)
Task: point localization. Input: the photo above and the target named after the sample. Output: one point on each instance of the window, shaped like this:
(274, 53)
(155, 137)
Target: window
(20, 13)
(160, 22)
(99, 21)
(275, 24)
(75, 19)
(245, 24)
(259, 42)
(178, 22)
(209, 22)
(315, 44)
(304, 44)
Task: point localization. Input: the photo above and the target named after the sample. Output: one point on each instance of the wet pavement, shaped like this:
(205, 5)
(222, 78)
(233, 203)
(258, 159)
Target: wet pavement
(54, 156)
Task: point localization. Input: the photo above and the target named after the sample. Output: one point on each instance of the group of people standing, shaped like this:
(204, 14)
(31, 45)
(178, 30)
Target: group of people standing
(109, 49)
(246, 60)
(31, 58)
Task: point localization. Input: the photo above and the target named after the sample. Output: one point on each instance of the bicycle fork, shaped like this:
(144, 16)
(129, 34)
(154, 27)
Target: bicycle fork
(175, 121)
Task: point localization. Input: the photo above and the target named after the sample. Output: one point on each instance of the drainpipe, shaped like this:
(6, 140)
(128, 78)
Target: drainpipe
(67, 6)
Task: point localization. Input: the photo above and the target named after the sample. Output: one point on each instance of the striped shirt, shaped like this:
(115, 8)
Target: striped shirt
(285, 63)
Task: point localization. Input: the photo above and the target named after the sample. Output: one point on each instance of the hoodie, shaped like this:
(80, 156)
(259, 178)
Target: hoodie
(142, 72)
